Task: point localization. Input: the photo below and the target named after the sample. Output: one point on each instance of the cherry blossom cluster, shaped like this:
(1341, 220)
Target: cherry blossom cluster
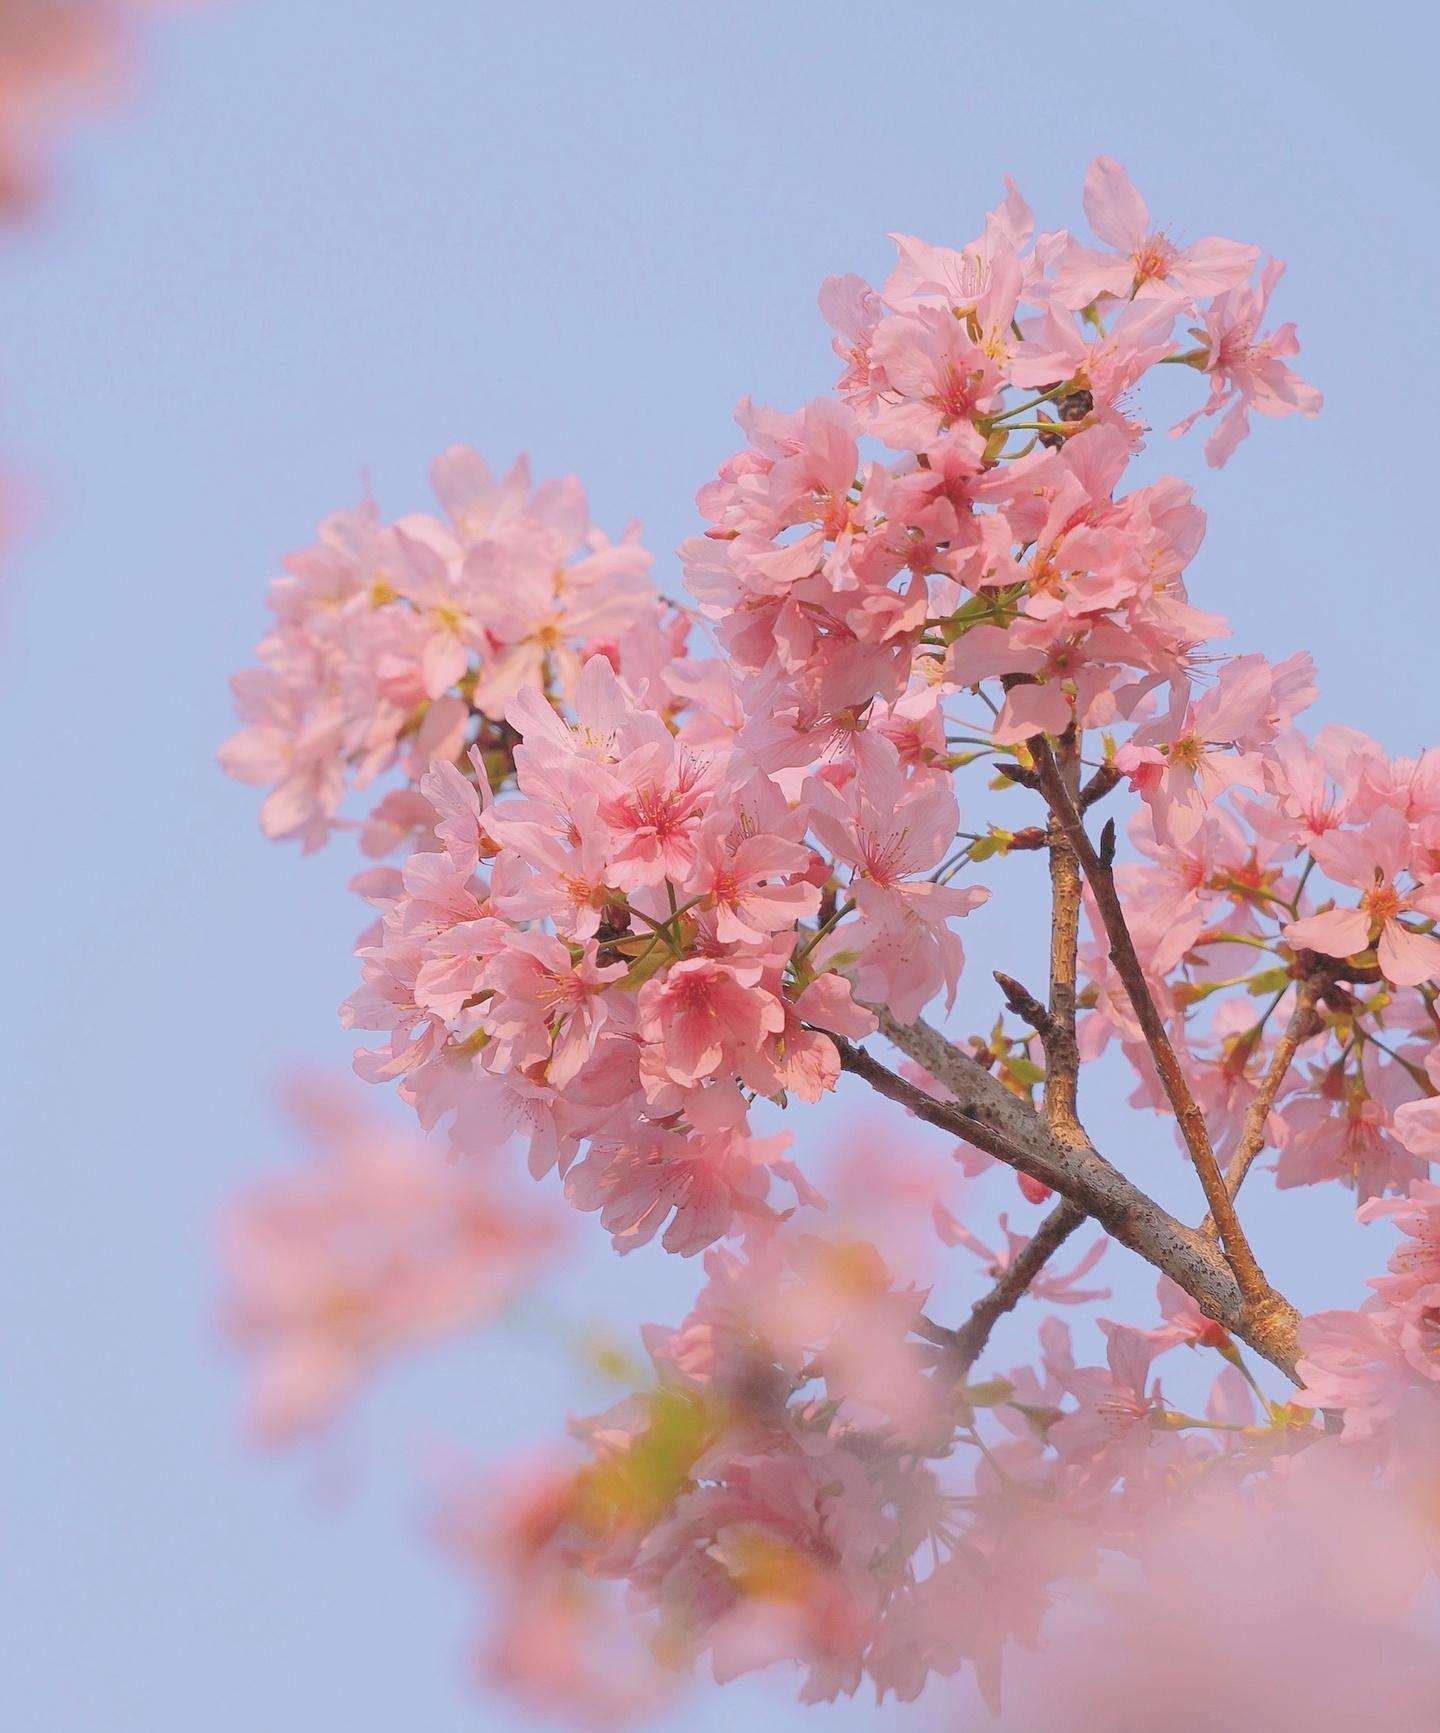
(806, 1483)
(1317, 869)
(1379, 1367)
(668, 866)
(370, 1250)
(636, 965)
(399, 644)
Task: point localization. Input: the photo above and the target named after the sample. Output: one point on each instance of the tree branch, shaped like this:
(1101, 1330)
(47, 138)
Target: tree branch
(1304, 1022)
(1062, 1052)
(966, 1344)
(985, 1113)
(1123, 955)
(1056, 1029)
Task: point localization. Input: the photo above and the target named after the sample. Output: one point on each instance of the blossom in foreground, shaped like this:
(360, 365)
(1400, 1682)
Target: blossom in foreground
(372, 1249)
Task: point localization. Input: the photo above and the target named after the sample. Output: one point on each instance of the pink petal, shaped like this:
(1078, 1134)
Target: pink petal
(1213, 265)
(1336, 933)
(1408, 958)
(1116, 211)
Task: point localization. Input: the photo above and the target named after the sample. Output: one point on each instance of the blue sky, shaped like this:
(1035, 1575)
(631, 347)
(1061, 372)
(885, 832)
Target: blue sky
(325, 240)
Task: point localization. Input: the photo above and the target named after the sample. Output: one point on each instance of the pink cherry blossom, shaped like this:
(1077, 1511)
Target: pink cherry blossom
(1144, 259)
(375, 1247)
(1371, 861)
(1247, 371)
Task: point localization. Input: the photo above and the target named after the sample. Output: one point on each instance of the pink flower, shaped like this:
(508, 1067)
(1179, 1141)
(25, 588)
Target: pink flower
(458, 808)
(651, 805)
(940, 370)
(887, 828)
(1144, 258)
(694, 1186)
(1179, 765)
(535, 611)
(1108, 1435)
(703, 1015)
(1248, 371)
(1354, 1361)
(1106, 365)
(852, 310)
(1371, 860)
(745, 884)
(1415, 1263)
(375, 1247)
(548, 1008)
(1352, 1140)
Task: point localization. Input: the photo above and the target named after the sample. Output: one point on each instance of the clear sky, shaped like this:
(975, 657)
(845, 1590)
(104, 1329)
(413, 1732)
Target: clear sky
(333, 236)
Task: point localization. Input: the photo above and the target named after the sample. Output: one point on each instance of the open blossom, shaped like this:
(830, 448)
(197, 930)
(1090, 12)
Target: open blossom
(654, 801)
(1353, 1140)
(1371, 861)
(1110, 1432)
(1247, 370)
(547, 1007)
(890, 831)
(1415, 1263)
(748, 883)
(1106, 365)
(1144, 260)
(1180, 766)
(1354, 1361)
(697, 1187)
(704, 1014)
(388, 638)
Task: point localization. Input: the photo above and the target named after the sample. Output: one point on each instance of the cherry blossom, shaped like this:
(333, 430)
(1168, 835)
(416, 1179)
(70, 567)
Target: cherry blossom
(652, 876)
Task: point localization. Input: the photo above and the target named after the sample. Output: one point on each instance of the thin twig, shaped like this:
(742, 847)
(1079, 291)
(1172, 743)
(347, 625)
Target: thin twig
(1304, 1022)
(968, 1342)
(1022, 1002)
(1056, 1029)
(1126, 960)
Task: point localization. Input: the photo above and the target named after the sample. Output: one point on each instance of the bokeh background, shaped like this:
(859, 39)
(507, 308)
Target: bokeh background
(322, 241)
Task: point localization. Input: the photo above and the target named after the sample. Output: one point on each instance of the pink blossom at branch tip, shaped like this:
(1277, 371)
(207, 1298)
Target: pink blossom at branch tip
(1247, 370)
(1181, 765)
(1145, 261)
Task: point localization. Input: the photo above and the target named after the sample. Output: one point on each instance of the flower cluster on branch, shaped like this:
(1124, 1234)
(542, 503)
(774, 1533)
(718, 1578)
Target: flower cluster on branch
(669, 865)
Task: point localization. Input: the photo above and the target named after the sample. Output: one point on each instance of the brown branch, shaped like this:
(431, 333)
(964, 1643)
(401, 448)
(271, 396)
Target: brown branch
(1126, 960)
(1017, 773)
(966, 1344)
(1062, 1053)
(986, 1114)
(1099, 785)
(1304, 1022)
(1056, 1029)
(1023, 1002)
